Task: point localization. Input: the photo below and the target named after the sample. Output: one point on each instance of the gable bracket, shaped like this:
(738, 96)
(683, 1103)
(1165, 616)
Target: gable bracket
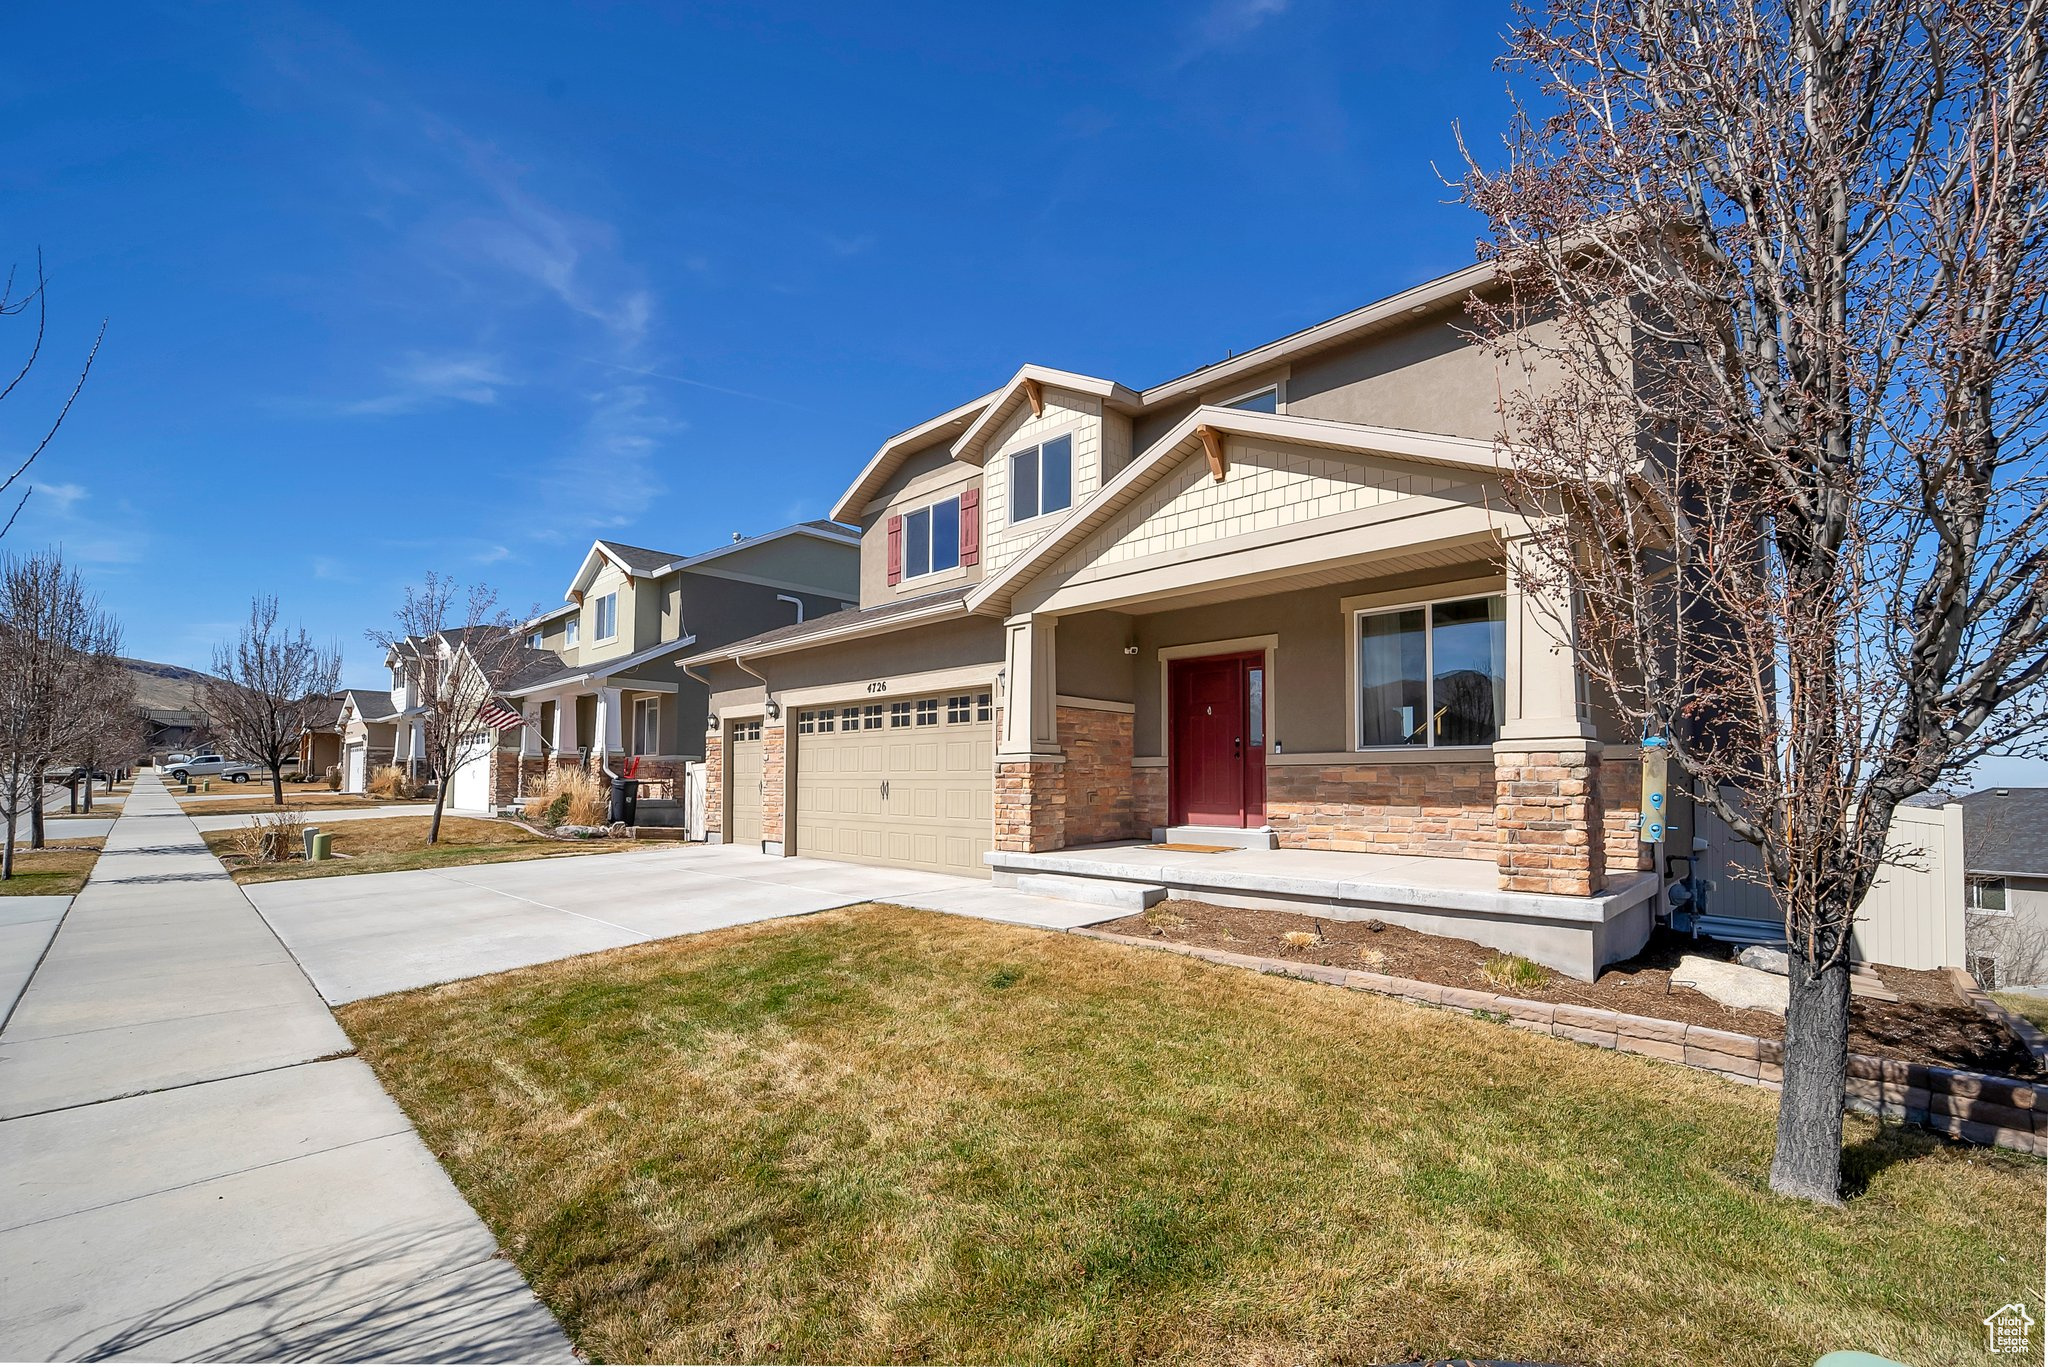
(1212, 442)
(1035, 393)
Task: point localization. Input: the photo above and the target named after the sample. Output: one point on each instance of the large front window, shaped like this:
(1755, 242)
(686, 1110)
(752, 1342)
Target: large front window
(1041, 479)
(1433, 674)
(931, 539)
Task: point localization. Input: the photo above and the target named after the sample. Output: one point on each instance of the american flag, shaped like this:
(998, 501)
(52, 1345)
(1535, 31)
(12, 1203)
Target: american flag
(496, 714)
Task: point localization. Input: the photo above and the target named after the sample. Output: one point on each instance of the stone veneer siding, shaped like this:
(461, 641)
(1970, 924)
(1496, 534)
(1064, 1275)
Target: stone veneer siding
(714, 784)
(1148, 800)
(1031, 806)
(1621, 802)
(1444, 808)
(774, 752)
(1551, 837)
(1097, 781)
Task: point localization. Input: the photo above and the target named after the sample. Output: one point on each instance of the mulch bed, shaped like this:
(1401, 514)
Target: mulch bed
(1930, 1023)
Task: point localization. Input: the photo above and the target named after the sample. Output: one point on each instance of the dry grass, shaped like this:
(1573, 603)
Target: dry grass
(1513, 973)
(390, 843)
(389, 783)
(2026, 1005)
(314, 800)
(569, 797)
(59, 869)
(885, 1135)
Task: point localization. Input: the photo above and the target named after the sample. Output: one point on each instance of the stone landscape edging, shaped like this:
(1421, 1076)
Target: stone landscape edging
(1976, 1108)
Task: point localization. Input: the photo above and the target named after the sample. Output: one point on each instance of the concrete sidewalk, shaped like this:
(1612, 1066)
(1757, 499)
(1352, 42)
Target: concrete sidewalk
(197, 1168)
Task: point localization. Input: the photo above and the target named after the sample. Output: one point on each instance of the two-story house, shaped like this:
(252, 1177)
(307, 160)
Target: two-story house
(1271, 607)
(615, 692)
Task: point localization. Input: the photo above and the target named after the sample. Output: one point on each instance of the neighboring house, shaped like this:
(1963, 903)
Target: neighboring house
(2005, 890)
(485, 771)
(614, 691)
(320, 743)
(369, 736)
(1271, 603)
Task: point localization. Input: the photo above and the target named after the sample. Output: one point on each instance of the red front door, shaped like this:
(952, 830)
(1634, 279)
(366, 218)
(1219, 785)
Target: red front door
(1216, 764)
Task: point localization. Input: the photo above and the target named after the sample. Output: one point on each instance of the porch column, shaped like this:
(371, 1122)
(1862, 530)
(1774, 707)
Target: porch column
(565, 726)
(1030, 790)
(1546, 764)
(609, 735)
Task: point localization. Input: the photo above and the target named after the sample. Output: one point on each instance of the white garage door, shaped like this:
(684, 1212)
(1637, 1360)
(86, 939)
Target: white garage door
(908, 783)
(744, 780)
(352, 770)
(471, 789)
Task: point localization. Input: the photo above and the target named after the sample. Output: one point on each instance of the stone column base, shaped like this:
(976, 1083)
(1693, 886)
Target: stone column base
(1551, 832)
(1031, 805)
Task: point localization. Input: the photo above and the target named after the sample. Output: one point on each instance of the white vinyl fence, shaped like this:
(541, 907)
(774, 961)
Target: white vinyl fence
(1911, 918)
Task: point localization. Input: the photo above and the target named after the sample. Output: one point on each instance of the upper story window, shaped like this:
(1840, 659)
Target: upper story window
(1265, 400)
(931, 539)
(1041, 479)
(536, 639)
(604, 619)
(571, 630)
(1433, 674)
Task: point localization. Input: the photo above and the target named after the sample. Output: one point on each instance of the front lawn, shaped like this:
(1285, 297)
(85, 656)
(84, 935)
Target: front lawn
(387, 844)
(60, 868)
(258, 800)
(887, 1135)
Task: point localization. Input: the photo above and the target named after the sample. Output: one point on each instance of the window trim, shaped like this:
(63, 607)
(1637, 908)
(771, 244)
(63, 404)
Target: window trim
(597, 606)
(1971, 889)
(1074, 499)
(929, 570)
(572, 632)
(1372, 604)
(653, 704)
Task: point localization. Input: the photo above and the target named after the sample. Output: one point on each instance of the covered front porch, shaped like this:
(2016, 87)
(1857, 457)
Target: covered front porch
(587, 719)
(1434, 894)
(1326, 648)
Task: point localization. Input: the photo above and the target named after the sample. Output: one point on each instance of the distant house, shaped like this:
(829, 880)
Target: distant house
(320, 742)
(369, 735)
(2005, 888)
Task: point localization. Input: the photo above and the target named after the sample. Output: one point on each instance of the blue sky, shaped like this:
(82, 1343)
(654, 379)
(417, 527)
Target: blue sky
(393, 288)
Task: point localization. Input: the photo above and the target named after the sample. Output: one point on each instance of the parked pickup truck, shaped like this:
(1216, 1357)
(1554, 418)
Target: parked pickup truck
(210, 766)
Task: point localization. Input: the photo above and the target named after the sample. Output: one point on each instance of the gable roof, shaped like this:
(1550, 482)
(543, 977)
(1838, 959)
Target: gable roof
(2005, 831)
(371, 704)
(970, 446)
(1183, 440)
(890, 455)
(835, 626)
(639, 562)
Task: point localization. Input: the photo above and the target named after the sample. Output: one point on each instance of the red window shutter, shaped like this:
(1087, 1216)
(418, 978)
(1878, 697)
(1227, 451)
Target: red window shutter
(970, 526)
(895, 550)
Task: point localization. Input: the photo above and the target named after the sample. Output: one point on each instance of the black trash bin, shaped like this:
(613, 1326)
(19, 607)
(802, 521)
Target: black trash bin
(625, 801)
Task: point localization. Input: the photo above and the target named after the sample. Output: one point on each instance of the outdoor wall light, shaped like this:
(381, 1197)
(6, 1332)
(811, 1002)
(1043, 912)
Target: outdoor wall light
(774, 709)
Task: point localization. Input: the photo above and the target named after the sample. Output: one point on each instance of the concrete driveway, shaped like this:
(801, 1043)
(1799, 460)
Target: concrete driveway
(364, 935)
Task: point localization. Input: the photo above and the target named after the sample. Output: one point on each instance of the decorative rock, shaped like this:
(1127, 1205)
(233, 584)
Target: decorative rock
(1764, 957)
(1733, 985)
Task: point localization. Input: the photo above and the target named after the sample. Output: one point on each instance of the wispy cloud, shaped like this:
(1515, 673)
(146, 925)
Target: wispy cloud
(1224, 23)
(848, 246)
(65, 496)
(422, 381)
(491, 555)
(334, 571)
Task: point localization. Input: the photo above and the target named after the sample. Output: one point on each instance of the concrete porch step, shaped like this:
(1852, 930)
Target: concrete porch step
(1099, 892)
(1234, 837)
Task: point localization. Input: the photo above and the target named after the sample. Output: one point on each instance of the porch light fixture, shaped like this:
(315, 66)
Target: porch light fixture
(774, 710)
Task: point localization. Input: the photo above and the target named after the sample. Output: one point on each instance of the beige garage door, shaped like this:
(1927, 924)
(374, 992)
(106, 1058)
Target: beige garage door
(743, 771)
(909, 783)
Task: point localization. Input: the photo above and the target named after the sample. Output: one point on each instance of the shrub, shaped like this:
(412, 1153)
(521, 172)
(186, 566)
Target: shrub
(334, 778)
(569, 797)
(390, 781)
(1513, 971)
(273, 838)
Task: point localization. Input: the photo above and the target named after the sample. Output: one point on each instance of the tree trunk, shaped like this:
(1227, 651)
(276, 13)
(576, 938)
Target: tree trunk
(35, 821)
(88, 792)
(440, 797)
(277, 784)
(1808, 1163)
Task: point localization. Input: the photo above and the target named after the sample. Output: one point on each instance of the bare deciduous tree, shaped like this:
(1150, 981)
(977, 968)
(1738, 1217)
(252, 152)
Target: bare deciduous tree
(266, 688)
(459, 651)
(1777, 274)
(58, 650)
(12, 304)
